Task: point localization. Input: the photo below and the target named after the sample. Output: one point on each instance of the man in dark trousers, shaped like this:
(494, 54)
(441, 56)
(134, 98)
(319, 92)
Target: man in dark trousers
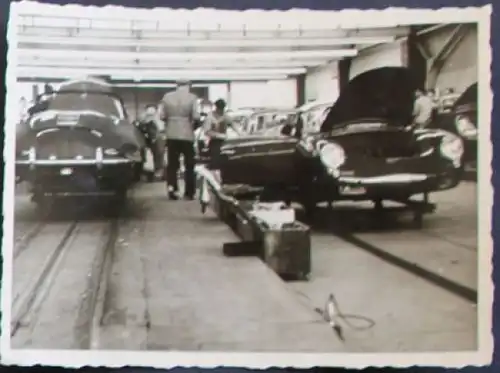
(179, 111)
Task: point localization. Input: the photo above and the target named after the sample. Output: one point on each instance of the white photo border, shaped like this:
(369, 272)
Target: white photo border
(171, 359)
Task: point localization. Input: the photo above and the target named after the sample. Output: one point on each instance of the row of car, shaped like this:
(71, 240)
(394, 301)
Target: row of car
(270, 120)
(79, 140)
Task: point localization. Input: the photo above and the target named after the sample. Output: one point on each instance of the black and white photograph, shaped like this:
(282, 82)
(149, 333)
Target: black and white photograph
(247, 188)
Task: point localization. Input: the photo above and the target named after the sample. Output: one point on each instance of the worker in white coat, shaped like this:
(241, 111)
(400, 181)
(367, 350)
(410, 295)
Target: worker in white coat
(179, 111)
(422, 109)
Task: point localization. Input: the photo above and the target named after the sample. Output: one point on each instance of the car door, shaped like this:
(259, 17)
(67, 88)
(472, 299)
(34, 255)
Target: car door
(259, 160)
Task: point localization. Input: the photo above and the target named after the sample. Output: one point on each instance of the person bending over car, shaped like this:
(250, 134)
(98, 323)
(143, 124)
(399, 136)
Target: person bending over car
(179, 111)
(217, 123)
(422, 109)
(150, 126)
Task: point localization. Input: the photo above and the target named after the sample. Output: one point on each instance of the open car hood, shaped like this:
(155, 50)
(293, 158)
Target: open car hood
(467, 101)
(385, 93)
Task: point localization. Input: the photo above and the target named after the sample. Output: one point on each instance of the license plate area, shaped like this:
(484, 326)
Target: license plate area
(66, 171)
(348, 190)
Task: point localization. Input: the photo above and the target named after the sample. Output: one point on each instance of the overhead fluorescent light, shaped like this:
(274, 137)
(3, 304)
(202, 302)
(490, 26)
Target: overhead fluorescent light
(145, 64)
(144, 85)
(199, 75)
(182, 56)
(187, 42)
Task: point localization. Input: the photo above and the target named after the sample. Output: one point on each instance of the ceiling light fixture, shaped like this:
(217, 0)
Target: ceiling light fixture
(200, 56)
(188, 42)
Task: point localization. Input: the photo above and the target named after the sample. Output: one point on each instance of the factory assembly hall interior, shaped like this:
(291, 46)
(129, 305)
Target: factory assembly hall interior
(243, 181)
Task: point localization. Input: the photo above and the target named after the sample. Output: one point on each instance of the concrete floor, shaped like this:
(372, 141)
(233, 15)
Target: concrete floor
(409, 313)
(170, 288)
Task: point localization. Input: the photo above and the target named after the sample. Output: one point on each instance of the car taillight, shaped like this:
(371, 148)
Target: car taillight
(465, 127)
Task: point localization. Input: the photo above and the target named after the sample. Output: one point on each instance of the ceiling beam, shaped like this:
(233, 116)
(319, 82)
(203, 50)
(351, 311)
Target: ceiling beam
(154, 65)
(165, 30)
(256, 74)
(201, 19)
(175, 72)
(127, 82)
(182, 56)
(202, 42)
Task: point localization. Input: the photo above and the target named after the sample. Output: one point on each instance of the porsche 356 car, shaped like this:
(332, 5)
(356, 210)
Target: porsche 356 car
(366, 149)
(78, 141)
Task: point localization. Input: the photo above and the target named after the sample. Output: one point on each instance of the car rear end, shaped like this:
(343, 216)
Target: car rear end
(76, 161)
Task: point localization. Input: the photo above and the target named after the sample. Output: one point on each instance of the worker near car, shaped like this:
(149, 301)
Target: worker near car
(422, 109)
(151, 126)
(179, 110)
(217, 124)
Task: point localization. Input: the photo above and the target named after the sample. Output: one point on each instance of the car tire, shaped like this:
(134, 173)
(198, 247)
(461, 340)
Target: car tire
(43, 204)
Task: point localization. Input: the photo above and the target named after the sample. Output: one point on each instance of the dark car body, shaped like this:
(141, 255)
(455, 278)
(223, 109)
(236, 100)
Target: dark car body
(366, 149)
(78, 140)
(462, 121)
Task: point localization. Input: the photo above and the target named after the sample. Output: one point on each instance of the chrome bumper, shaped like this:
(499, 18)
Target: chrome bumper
(381, 180)
(72, 162)
(98, 161)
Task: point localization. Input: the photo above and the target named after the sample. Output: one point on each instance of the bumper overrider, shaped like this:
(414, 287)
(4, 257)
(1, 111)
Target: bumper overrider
(109, 172)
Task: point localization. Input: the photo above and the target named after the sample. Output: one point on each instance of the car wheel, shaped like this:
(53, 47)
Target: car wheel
(43, 203)
(309, 208)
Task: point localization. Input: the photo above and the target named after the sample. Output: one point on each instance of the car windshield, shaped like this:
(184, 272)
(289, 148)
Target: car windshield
(92, 102)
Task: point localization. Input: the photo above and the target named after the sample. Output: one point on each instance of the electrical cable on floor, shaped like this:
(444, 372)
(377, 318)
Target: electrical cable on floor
(333, 315)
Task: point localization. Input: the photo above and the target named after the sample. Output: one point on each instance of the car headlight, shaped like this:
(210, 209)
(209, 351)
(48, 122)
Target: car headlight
(452, 147)
(465, 127)
(332, 156)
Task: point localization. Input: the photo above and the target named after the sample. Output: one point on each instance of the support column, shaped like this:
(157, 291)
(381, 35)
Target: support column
(228, 100)
(35, 91)
(301, 89)
(436, 61)
(414, 59)
(344, 67)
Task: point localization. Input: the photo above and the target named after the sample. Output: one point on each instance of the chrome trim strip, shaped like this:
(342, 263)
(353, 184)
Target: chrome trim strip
(49, 130)
(388, 179)
(72, 162)
(260, 154)
(81, 194)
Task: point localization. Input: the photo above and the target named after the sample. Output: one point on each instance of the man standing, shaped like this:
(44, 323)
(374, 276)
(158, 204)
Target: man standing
(422, 109)
(179, 111)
